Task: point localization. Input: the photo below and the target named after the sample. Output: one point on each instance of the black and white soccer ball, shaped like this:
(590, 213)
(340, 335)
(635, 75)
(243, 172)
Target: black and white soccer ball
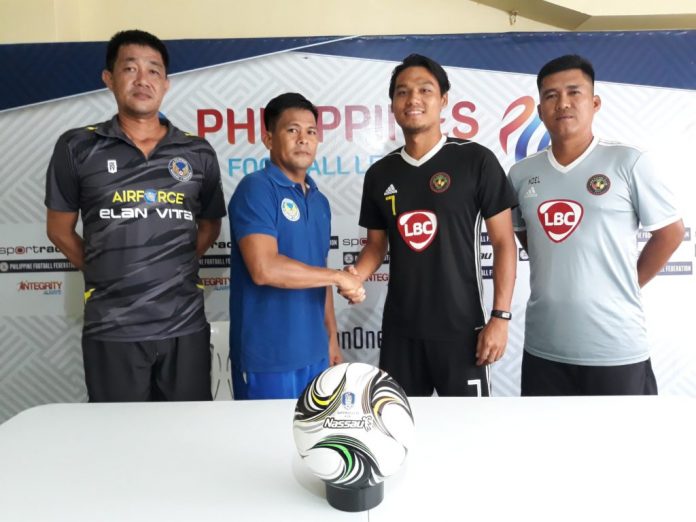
(353, 425)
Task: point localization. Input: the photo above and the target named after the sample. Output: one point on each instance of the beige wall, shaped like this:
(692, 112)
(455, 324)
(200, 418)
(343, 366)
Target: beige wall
(95, 20)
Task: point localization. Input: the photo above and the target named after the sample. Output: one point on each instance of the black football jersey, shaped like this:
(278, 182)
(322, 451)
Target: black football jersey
(432, 210)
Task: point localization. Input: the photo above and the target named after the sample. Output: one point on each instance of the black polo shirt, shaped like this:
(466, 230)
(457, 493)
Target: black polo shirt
(139, 226)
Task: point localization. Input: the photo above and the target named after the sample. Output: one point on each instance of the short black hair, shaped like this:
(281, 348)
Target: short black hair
(565, 63)
(134, 37)
(418, 60)
(279, 104)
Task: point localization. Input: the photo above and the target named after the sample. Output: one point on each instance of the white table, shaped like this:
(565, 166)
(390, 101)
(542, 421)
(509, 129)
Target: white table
(556, 459)
(548, 459)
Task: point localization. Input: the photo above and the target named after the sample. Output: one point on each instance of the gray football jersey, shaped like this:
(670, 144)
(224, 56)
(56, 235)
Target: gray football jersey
(581, 222)
(139, 225)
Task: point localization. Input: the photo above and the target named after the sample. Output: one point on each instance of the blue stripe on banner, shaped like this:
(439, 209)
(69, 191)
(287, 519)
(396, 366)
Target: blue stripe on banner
(40, 72)
(659, 58)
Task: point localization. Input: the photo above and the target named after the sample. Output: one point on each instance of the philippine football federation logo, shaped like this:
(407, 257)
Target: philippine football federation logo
(348, 399)
(417, 228)
(598, 184)
(290, 209)
(532, 132)
(439, 182)
(111, 166)
(559, 218)
(180, 169)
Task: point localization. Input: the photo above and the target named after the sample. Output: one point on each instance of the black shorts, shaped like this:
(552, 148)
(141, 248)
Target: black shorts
(176, 369)
(448, 367)
(541, 377)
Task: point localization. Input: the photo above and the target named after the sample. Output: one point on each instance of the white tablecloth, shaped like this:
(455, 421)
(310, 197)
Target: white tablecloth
(555, 459)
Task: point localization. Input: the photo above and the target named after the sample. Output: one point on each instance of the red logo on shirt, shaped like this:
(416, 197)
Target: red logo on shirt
(417, 228)
(559, 218)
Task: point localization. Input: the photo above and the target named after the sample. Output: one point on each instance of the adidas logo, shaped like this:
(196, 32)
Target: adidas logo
(390, 190)
(531, 193)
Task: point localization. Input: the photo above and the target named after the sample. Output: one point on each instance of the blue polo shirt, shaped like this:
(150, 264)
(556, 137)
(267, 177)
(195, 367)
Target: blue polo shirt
(275, 329)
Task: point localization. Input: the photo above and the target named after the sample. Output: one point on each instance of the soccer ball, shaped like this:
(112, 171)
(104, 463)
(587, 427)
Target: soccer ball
(353, 425)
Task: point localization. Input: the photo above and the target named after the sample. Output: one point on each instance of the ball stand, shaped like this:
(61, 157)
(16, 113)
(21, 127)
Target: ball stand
(354, 499)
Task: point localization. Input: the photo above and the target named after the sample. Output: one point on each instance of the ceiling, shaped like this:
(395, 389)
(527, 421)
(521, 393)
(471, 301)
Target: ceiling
(602, 15)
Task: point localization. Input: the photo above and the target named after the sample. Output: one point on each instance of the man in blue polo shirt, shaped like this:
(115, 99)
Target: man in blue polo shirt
(282, 323)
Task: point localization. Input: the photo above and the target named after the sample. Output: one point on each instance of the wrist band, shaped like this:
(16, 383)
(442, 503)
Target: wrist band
(501, 314)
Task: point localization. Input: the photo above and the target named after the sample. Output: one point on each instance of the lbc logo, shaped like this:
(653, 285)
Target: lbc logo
(417, 228)
(559, 218)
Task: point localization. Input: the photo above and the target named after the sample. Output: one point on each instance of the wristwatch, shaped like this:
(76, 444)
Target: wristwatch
(501, 314)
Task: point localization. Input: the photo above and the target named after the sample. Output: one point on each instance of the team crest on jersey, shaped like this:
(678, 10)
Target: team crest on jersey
(180, 169)
(559, 218)
(598, 184)
(290, 209)
(111, 166)
(417, 228)
(440, 182)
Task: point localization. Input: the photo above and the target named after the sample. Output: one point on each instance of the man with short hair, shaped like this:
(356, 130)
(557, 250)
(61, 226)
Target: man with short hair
(581, 201)
(150, 200)
(426, 201)
(282, 323)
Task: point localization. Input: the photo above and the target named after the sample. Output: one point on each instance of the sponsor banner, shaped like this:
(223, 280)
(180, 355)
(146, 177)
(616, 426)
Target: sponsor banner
(216, 283)
(216, 261)
(678, 268)
(45, 287)
(48, 294)
(36, 265)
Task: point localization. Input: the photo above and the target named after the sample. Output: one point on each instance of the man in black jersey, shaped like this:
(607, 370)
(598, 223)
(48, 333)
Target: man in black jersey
(425, 201)
(150, 201)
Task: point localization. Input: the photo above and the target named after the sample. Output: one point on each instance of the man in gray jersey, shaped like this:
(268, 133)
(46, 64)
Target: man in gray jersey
(581, 201)
(150, 200)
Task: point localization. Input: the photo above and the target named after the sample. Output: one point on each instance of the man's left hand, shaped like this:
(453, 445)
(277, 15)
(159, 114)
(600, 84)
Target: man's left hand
(492, 341)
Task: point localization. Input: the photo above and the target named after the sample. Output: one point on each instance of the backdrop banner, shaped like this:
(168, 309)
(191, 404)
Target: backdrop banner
(647, 82)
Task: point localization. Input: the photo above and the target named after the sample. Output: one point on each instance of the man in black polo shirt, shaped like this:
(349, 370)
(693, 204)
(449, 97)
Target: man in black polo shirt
(151, 202)
(426, 201)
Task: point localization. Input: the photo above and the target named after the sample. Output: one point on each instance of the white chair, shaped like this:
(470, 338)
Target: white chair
(220, 372)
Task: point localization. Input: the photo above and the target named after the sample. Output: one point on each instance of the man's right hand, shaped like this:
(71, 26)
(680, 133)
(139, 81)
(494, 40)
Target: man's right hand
(350, 285)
